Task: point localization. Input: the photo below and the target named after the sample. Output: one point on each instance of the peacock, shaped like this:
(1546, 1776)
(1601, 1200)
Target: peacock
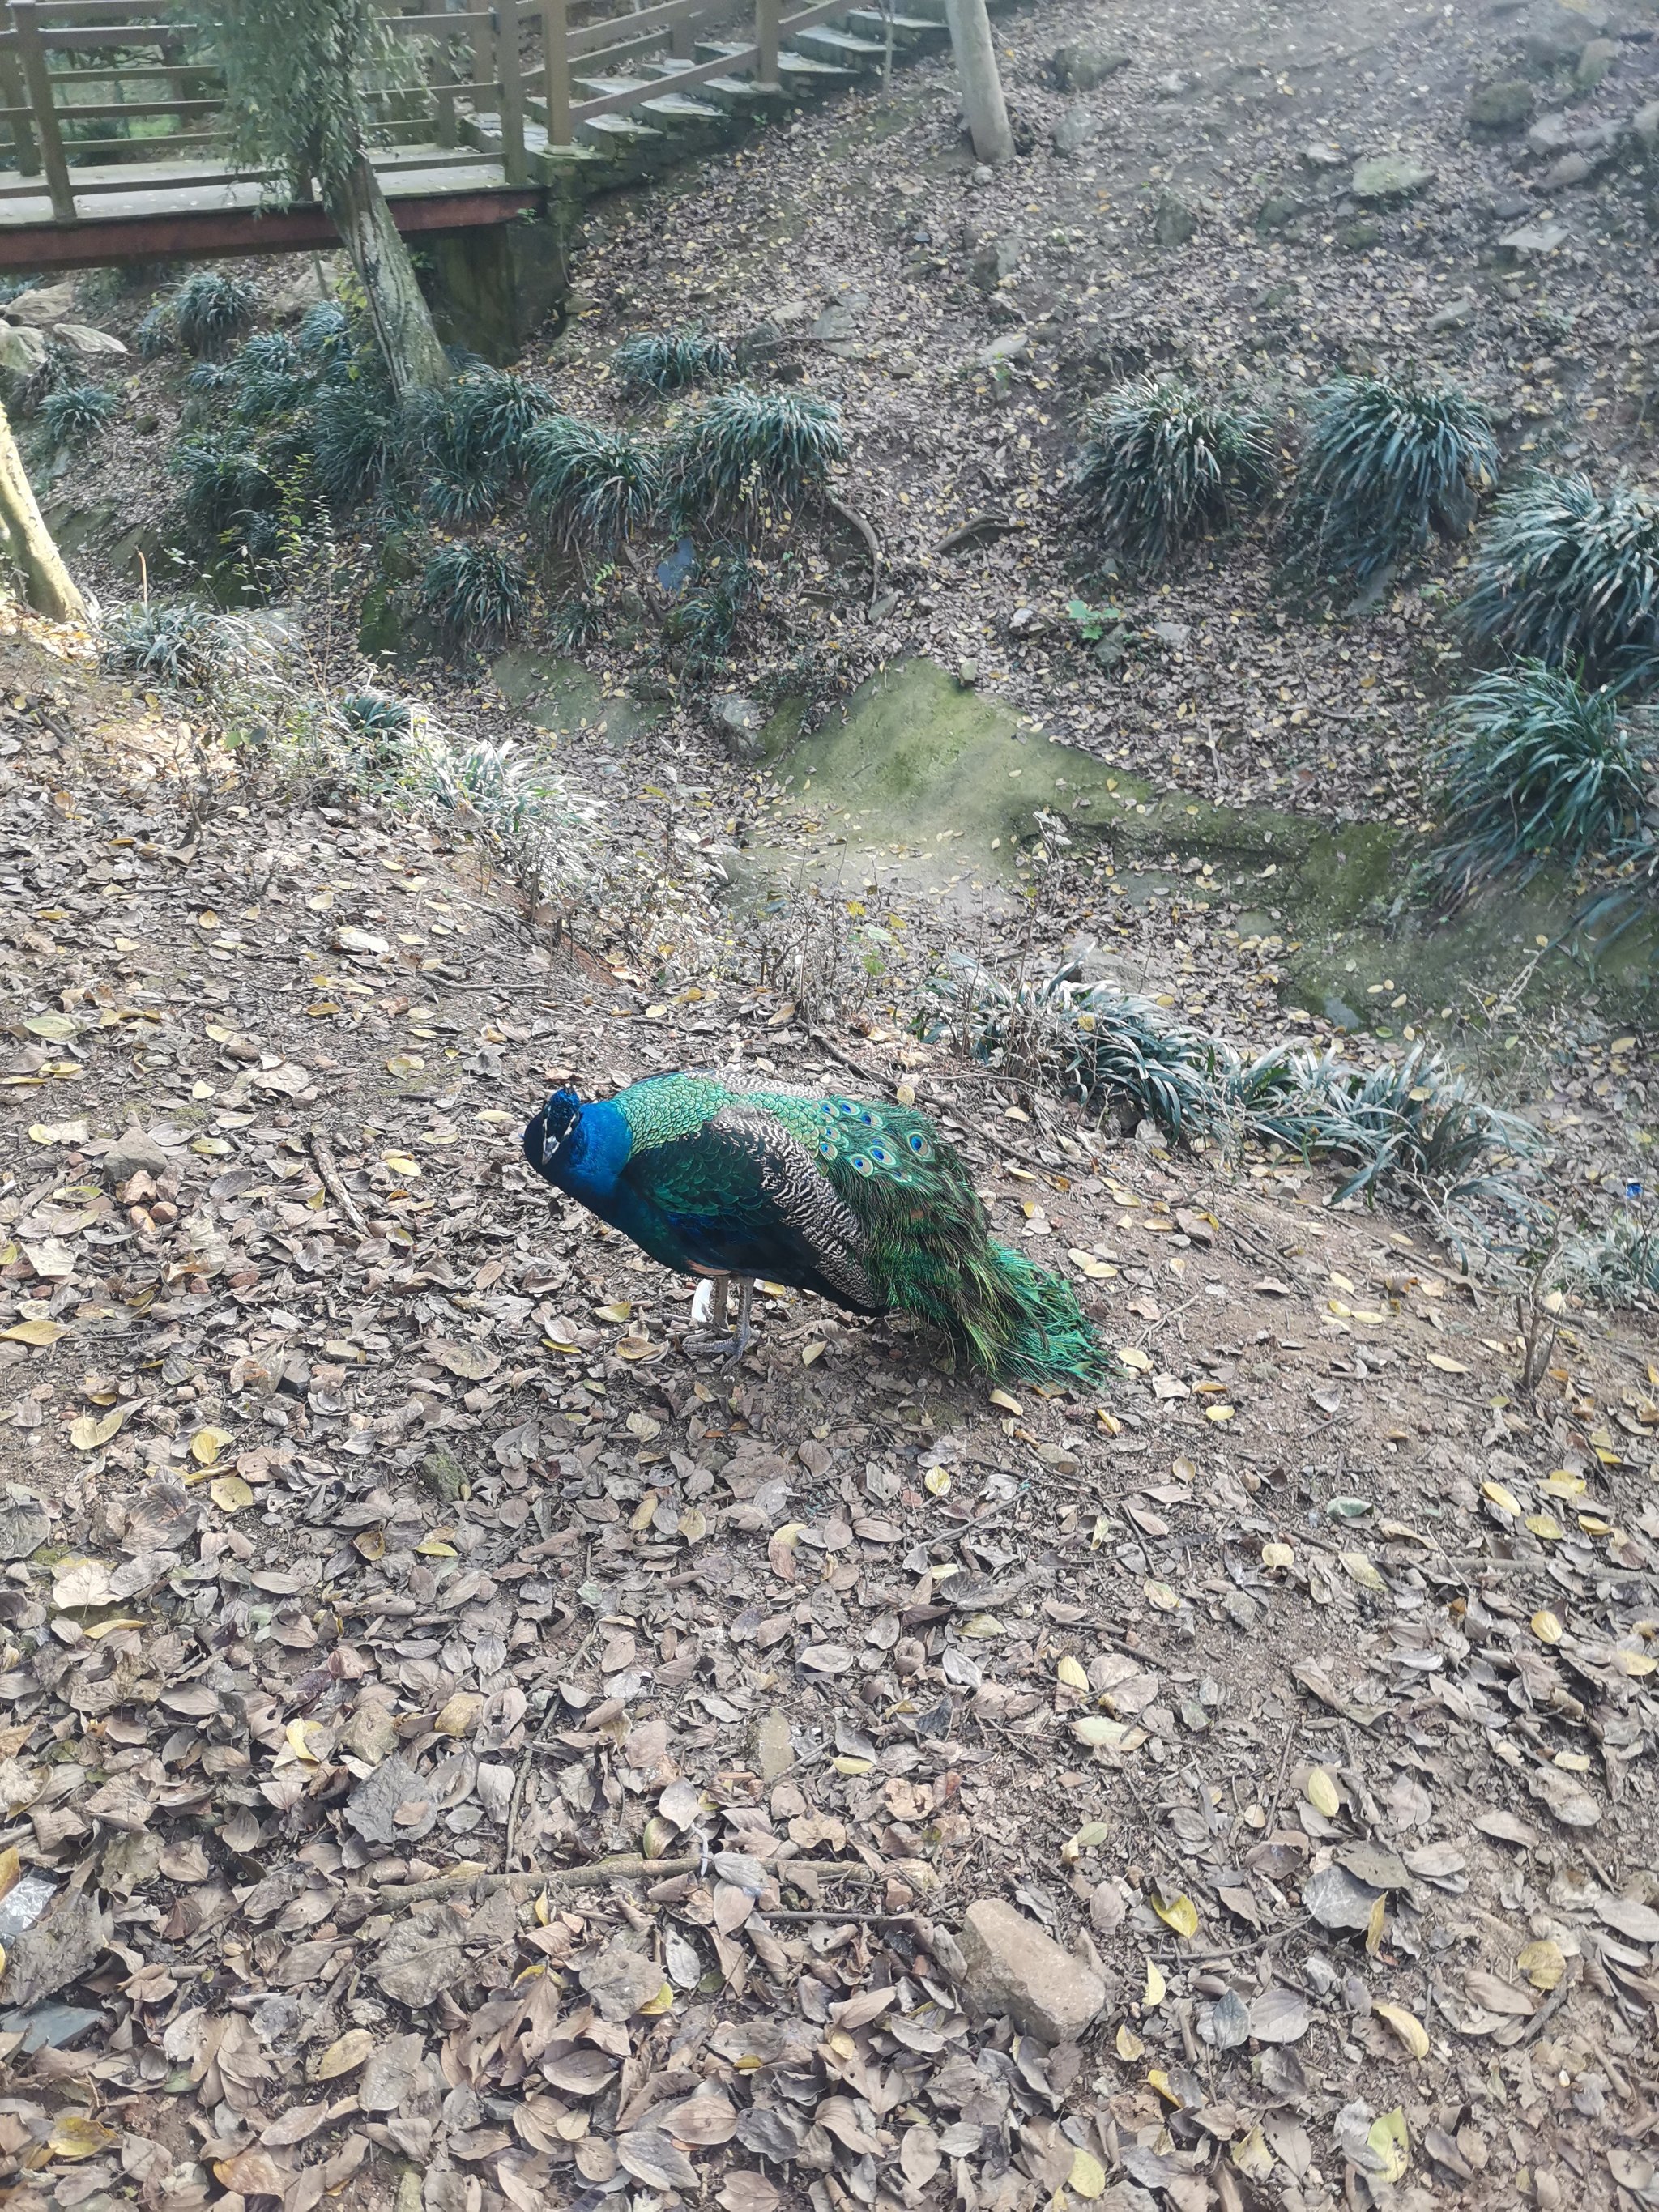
(866, 1204)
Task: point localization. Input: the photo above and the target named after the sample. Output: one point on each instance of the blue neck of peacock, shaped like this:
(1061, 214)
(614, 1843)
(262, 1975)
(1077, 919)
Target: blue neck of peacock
(593, 1154)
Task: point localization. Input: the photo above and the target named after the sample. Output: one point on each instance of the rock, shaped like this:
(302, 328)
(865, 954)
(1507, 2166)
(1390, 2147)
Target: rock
(1644, 129)
(1557, 134)
(1009, 346)
(133, 1150)
(1507, 207)
(836, 323)
(1079, 127)
(22, 350)
(85, 339)
(1321, 155)
(1390, 177)
(1570, 169)
(1595, 64)
(1014, 1967)
(739, 722)
(1455, 315)
(1279, 211)
(1533, 239)
(46, 305)
(992, 261)
(1174, 222)
(1175, 634)
(1505, 105)
(1080, 67)
(1359, 237)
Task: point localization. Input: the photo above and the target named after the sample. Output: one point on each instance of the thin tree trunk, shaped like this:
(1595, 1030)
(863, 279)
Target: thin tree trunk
(403, 322)
(27, 542)
(982, 87)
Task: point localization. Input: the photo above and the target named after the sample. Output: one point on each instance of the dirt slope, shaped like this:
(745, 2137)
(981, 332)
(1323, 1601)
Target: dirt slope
(367, 1522)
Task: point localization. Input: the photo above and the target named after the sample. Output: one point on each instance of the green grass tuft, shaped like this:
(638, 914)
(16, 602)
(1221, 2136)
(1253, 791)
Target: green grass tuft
(1384, 465)
(1536, 766)
(665, 361)
(753, 455)
(1160, 464)
(1567, 574)
(209, 313)
(591, 489)
(181, 644)
(358, 439)
(77, 413)
(471, 592)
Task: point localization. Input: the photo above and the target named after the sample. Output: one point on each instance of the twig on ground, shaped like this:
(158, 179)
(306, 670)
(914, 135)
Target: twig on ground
(594, 1876)
(334, 1183)
(865, 530)
(1278, 1782)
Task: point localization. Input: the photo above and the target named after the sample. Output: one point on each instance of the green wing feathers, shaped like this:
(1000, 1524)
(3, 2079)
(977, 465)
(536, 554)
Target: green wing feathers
(927, 1246)
(930, 1252)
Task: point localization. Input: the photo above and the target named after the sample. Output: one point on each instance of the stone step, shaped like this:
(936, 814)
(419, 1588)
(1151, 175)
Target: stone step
(851, 52)
(620, 134)
(732, 95)
(909, 31)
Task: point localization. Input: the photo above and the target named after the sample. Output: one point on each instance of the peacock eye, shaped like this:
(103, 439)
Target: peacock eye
(863, 1166)
(826, 1150)
(881, 1156)
(918, 1145)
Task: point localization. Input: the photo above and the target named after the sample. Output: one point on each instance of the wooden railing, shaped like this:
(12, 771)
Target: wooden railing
(76, 75)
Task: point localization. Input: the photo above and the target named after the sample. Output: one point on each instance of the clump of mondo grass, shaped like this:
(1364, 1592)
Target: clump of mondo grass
(1162, 463)
(1569, 575)
(666, 361)
(1384, 464)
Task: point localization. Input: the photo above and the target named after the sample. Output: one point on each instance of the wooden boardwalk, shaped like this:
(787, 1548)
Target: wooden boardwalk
(113, 112)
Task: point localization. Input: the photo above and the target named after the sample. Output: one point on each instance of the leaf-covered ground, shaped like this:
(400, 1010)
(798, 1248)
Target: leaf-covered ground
(369, 1529)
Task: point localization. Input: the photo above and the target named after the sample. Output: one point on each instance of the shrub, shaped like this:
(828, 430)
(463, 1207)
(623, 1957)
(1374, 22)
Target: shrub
(673, 360)
(184, 645)
(591, 488)
(156, 334)
(1383, 466)
(230, 499)
(76, 413)
(324, 335)
(754, 454)
(1565, 575)
(1535, 764)
(471, 591)
(480, 421)
(706, 620)
(1160, 462)
(210, 312)
(1410, 1122)
(358, 439)
(1620, 1267)
(376, 714)
(540, 833)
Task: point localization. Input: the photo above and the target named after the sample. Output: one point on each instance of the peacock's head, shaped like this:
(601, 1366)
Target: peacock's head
(550, 1128)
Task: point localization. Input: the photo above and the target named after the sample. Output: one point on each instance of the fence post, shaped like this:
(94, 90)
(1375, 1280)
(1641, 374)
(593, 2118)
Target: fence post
(767, 16)
(555, 75)
(32, 55)
(23, 138)
(515, 167)
(481, 26)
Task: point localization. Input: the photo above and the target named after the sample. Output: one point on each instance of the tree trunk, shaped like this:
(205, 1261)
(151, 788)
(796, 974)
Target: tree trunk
(402, 320)
(982, 87)
(27, 542)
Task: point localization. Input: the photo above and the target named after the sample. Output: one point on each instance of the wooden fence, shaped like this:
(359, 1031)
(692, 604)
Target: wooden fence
(107, 96)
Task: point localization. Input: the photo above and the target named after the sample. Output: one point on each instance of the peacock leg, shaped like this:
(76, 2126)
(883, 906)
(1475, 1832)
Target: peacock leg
(735, 1347)
(717, 1294)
